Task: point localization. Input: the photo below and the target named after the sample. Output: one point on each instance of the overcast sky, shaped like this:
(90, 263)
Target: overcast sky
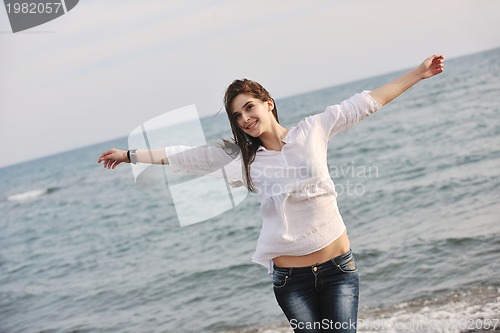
(105, 67)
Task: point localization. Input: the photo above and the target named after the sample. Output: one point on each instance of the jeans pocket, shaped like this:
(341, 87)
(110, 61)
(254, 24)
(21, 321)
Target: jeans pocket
(279, 279)
(349, 266)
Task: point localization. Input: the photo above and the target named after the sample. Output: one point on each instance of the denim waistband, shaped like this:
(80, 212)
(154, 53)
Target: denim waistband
(334, 262)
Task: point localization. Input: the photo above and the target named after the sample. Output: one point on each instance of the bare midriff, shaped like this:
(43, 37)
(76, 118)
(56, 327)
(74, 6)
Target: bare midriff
(336, 248)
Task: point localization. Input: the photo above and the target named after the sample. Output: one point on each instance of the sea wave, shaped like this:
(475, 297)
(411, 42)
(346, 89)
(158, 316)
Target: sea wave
(469, 310)
(30, 195)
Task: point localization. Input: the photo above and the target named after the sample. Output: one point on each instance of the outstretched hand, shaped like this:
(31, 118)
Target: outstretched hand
(432, 66)
(389, 91)
(112, 158)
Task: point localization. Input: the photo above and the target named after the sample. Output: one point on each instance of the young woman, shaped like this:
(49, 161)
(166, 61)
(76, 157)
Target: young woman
(303, 240)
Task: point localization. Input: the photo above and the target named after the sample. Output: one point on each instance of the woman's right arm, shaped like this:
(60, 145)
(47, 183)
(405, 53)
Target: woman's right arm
(112, 157)
(223, 161)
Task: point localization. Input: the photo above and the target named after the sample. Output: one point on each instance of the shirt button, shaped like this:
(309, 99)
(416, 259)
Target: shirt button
(315, 268)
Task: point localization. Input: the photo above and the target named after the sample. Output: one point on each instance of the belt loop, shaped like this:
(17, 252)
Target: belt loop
(290, 271)
(333, 262)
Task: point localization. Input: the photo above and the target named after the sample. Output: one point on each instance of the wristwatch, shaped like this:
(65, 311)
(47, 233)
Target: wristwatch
(132, 156)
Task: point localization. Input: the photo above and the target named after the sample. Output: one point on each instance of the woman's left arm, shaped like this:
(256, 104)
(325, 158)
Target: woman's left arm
(430, 67)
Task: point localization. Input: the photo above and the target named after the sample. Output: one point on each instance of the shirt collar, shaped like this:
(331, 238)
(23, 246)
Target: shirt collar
(286, 139)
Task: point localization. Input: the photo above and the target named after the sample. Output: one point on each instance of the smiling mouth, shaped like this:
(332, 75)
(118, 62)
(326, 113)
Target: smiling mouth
(252, 125)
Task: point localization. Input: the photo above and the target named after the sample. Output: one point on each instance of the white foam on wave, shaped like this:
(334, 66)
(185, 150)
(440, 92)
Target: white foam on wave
(29, 195)
(475, 310)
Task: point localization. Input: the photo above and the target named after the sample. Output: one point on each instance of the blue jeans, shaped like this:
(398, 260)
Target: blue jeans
(320, 298)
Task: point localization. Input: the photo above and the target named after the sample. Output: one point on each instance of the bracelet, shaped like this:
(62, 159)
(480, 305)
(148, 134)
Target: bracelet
(132, 156)
(128, 155)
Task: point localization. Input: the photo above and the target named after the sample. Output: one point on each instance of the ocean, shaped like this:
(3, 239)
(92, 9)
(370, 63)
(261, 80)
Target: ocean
(85, 249)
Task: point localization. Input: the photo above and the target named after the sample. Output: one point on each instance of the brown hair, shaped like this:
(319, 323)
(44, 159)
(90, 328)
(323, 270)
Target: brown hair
(247, 144)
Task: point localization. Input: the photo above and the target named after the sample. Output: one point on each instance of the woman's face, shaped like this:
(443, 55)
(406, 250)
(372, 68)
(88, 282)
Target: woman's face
(252, 115)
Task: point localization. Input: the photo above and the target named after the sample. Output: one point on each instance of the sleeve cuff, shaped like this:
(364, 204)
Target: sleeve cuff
(372, 102)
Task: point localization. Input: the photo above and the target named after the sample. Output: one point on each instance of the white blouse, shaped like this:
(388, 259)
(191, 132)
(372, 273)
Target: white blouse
(298, 198)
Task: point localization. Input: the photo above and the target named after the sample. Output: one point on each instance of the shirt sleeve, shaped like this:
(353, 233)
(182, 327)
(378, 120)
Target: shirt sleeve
(337, 118)
(218, 161)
